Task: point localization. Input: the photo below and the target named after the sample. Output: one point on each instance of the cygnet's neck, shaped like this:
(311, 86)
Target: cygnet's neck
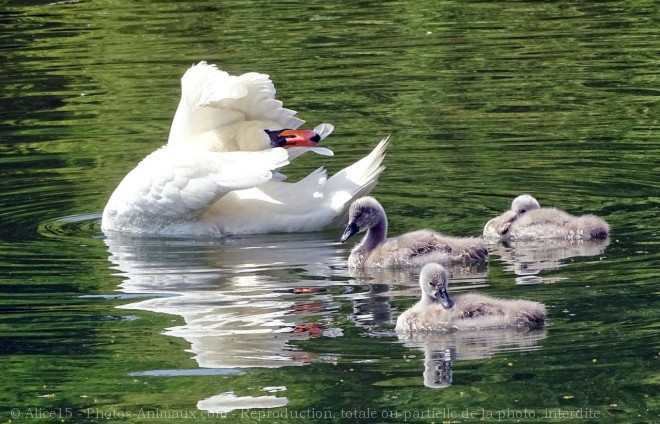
(375, 235)
(427, 299)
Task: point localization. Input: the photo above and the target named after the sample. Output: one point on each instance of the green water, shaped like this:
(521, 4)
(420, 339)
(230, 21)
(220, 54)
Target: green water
(483, 101)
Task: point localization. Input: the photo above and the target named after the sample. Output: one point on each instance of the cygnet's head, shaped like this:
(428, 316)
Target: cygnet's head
(364, 213)
(524, 203)
(433, 280)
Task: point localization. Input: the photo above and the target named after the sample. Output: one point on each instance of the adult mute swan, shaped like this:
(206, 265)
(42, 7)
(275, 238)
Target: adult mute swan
(436, 311)
(218, 174)
(527, 220)
(409, 249)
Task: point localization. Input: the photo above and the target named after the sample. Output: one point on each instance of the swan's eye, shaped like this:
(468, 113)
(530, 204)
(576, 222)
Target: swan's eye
(522, 211)
(433, 283)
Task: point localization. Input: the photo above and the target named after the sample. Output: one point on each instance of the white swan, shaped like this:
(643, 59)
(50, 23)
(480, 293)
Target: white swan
(218, 173)
(436, 311)
(409, 249)
(527, 220)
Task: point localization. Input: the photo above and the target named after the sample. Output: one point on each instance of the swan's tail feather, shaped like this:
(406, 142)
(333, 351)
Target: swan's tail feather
(358, 179)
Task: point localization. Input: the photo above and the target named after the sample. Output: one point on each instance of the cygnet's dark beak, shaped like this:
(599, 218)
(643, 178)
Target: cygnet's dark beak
(443, 297)
(293, 138)
(351, 229)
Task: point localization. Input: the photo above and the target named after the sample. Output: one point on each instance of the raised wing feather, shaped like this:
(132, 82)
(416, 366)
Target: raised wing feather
(212, 99)
(259, 104)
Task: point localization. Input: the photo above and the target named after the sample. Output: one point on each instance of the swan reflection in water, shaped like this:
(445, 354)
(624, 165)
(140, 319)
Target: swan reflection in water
(528, 258)
(242, 299)
(441, 349)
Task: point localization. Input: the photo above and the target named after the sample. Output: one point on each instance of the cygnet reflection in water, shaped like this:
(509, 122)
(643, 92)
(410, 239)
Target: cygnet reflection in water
(528, 258)
(442, 350)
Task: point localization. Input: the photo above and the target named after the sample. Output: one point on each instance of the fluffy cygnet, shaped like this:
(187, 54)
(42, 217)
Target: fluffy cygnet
(436, 311)
(527, 220)
(409, 249)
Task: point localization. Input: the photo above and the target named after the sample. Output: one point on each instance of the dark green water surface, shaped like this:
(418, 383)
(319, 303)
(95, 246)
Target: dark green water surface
(483, 101)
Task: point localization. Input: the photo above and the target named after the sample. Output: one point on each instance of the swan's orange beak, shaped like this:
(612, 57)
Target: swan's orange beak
(300, 138)
(293, 138)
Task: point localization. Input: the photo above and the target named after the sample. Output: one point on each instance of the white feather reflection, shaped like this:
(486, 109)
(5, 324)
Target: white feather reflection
(527, 258)
(228, 401)
(243, 300)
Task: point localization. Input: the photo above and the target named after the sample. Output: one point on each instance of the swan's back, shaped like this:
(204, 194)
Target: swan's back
(472, 311)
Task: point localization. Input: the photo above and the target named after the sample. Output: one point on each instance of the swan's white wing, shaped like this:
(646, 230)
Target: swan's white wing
(197, 179)
(212, 99)
(204, 84)
(259, 103)
(276, 207)
(181, 183)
